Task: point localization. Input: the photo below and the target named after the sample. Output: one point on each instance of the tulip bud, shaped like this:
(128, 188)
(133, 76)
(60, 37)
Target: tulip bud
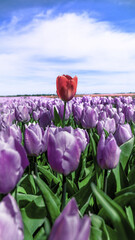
(11, 225)
(13, 161)
(123, 134)
(45, 119)
(33, 136)
(81, 135)
(66, 87)
(109, 125)
(89, 117)
(69, 225)
(63, 152)
(22, 113)
(108, 152)
(77, 112)
(15, 131)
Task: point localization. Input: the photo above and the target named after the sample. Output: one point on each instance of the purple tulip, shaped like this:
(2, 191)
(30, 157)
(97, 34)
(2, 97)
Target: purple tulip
(45, 119)
(102, 115)
(11, 225)
(108, 152)
(13, 161)
(77, 112)
(36, 115)
(133, 117)
(109, 125)
(80, 134)
(82, 137)
(33, 136)
(69, 225)
(89, 117)
(129, 112)
(63, 152)
(123, 133)
(45, 140)
(22, 113)
(15, 131)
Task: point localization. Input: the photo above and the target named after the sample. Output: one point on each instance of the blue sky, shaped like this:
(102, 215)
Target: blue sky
(41, 39)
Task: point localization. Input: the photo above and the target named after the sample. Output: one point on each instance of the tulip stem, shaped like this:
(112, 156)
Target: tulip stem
(16, 194)
(63, 193)
(35, 166)
(23, 130)
(105, 180)
(63, 120)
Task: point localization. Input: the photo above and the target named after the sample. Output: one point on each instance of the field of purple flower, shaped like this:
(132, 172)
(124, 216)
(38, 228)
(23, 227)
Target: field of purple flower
(67, 169)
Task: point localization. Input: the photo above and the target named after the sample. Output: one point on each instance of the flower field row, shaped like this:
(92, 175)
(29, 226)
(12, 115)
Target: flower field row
(67, 168)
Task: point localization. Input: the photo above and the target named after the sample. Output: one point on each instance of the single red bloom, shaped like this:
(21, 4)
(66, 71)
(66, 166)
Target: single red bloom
(66, 87)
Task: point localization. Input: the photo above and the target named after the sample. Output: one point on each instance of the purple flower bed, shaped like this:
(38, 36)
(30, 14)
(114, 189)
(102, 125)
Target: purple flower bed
(67, 171)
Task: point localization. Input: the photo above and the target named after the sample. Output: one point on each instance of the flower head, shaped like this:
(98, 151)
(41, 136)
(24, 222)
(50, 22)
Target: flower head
(66, 87)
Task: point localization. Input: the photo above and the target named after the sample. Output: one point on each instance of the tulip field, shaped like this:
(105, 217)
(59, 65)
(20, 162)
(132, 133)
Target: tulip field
(67, 167)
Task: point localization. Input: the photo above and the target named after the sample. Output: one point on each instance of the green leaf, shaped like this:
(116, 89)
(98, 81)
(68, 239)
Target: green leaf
(126, 150)
(21, 190)
(112, 233)
(24, 199)
(111, 184)
(87, 178)
(51, 201)
(115, 213)
(83, 195)
(125, 199)
(95, 234)
(80, 170)
(98, 223)
(40, 234)
(27, 234)
(130, 216)
(94, 147)
(48, 176)
(131, 176)
(28, 184)
(34, 214)
(121, 179)
(126, 190)
(71, 187)
(57, 120)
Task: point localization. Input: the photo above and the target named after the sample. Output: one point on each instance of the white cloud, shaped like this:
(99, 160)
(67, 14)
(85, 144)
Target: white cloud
(94, 45)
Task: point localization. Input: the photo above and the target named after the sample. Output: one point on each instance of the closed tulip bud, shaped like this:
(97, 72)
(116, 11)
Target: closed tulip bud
(129, 112)
(11, 225)
(116, 118)
(82, 137)
(63, 152)
(15, 131)
(80, 134)
(109, 125)
(89, 117)
(13, 161)
(119, 118)
(108, 152)
(66, 87)
(45, 119)
(102, 115)
(123, 133)
(69, 226)
(33, 136)
(22, 113)
(36, 115)
(77, 112)
(122, 118)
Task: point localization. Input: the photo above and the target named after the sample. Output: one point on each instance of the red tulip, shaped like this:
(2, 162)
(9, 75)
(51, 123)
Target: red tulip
(66, 87)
